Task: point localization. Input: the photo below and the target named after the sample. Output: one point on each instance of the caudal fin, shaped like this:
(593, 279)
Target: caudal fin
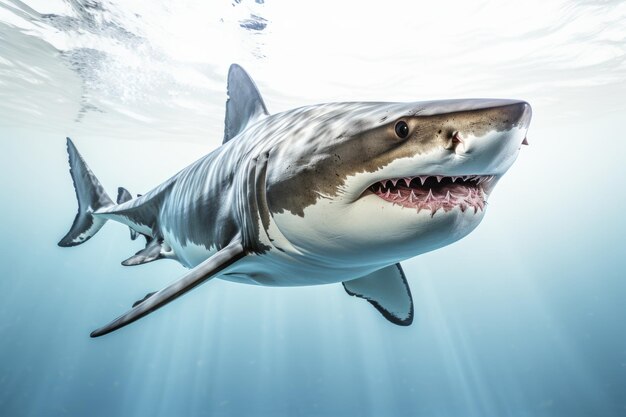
(91, 197)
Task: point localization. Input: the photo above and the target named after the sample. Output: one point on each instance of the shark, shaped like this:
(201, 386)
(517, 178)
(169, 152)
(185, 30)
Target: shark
(321, 194)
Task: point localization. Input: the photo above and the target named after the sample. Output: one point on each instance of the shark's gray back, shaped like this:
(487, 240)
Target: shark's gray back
(207, 203)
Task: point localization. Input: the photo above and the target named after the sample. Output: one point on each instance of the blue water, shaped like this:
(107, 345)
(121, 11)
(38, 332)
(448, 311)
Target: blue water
(524, 317)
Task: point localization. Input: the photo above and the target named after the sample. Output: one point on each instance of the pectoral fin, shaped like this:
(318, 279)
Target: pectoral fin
(388, 291)
(201, 273)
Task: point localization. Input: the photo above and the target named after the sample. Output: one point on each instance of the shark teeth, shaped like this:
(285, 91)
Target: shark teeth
(433, 180)
(430, 195)
(435, 192)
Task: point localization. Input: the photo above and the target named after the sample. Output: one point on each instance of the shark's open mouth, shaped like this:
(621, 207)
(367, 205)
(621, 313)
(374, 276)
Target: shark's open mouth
(436, 192)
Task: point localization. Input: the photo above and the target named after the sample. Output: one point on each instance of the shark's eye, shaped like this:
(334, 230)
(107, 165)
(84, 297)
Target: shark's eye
(402, 129)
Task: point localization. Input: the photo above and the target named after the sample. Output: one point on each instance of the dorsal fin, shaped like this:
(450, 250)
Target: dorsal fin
(244, 104)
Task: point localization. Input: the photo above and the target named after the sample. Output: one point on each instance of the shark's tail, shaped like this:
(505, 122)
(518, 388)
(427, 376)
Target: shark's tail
(91, 197)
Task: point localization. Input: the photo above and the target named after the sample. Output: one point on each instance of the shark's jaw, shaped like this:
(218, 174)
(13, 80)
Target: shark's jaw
(436, 192)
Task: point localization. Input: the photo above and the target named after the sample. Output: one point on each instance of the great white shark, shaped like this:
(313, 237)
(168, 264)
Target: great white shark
(321, 194)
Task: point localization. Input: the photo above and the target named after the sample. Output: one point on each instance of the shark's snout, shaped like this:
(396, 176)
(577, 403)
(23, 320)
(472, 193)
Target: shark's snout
(487, 141)
(501, 123)
(526, 113)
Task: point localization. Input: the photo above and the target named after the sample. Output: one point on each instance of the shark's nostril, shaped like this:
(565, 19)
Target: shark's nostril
(455, 141)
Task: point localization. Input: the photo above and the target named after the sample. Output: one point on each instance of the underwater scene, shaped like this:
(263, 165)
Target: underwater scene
(513, 306)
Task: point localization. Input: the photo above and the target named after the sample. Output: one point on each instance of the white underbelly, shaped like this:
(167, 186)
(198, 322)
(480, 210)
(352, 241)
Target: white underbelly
(273, 268)
(276, 270)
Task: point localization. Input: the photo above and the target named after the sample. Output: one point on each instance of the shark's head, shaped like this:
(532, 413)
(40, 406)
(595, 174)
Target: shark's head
(381, 182)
